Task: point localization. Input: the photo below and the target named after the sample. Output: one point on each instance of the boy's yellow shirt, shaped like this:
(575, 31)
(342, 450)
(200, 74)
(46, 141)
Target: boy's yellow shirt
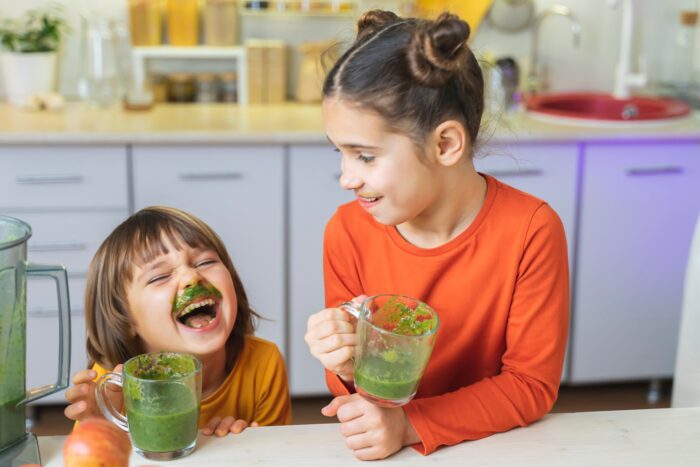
(256, 390)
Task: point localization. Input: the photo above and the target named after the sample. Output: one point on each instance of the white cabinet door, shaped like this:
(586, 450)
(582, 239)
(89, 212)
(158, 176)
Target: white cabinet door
(548, 171)
(239, 192)
(314, 197)
(639, 206)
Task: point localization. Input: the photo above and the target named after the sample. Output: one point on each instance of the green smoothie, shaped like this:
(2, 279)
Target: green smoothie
(162, 402)
(12, 355)
(390, 380)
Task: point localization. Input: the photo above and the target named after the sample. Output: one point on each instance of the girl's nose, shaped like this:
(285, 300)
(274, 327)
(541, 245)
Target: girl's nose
(191, 278)
(349, 181)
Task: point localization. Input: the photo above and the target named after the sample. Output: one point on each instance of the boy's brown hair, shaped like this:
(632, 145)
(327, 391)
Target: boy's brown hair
(136, 241)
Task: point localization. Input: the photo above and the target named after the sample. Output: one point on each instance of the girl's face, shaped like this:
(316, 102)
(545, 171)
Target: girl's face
(382, 168)
(183, 301)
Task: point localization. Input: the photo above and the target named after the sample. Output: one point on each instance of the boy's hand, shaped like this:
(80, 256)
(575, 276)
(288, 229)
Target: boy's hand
(330, 335)
(81, 395)
(222, 426)
(371, 432)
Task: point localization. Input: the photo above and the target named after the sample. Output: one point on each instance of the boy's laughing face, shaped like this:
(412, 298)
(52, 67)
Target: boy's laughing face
(183, 301)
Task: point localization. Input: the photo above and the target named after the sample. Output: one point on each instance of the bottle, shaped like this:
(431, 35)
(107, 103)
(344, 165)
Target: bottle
(683, 49)
(181, 87)
(228, 83)
(207, 88)
(183, 22)
(221, 22)
(145, 22)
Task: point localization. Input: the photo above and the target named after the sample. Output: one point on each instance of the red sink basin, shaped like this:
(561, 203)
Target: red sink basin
(594, 106)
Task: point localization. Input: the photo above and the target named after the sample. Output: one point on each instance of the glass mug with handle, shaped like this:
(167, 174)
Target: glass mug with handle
(395, 337)
(162, 395)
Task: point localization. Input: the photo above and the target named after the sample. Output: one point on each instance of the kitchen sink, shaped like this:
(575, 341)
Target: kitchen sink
(605, 109)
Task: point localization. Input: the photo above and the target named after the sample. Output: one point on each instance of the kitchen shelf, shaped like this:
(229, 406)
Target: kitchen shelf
(239, 54)
(327, 8)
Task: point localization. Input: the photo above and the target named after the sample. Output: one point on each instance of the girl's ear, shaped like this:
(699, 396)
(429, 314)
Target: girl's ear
(452, 141)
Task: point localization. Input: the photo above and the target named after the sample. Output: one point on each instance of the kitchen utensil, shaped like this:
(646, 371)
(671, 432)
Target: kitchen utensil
(395, 337)
(16, 446)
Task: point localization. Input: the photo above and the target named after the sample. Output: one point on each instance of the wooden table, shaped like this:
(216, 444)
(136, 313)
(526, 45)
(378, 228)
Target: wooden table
(653, 437)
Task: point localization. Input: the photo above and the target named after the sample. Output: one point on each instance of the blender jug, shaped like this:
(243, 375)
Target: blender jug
(16, 446)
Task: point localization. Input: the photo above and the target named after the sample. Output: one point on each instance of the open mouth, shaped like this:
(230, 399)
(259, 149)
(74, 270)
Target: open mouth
(198, 315)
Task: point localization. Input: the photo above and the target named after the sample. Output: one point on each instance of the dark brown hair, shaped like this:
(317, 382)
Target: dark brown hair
(136, 241)
(414, 73)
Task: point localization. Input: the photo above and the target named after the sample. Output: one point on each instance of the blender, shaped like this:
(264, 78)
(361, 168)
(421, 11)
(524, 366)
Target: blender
(18, 447)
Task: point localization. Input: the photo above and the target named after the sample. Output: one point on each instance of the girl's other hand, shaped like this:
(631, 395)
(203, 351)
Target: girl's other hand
(81, 395)
(371, 432)
(222, 426)
(330, 335)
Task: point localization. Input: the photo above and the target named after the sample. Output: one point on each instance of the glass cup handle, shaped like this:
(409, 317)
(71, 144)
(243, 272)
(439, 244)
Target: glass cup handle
(104, 403)
(352, 308)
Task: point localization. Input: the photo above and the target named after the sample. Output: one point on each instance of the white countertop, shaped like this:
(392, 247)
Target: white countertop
(289, 123)
(653, 437)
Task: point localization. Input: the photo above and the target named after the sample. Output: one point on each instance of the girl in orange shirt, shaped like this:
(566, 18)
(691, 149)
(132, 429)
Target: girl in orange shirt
(135, 281)
(403, 107)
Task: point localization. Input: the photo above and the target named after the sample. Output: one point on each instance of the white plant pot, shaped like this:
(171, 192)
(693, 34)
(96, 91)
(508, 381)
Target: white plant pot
(26, 74)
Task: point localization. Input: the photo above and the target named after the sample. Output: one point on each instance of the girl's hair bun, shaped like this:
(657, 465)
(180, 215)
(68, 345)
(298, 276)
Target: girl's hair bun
(373, 21)
(437, 50)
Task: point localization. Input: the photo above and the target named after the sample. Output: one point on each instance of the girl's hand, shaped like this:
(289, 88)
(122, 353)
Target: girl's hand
(81, 396)
(330, 335)
(222, 426)
(371, 432)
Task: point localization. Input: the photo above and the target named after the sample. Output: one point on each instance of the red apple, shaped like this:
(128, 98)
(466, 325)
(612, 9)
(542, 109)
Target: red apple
(95, 442)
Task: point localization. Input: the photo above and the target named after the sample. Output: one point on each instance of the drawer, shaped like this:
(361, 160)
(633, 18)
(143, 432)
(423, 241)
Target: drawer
(70, 239)
(42, 300)
(63, 177)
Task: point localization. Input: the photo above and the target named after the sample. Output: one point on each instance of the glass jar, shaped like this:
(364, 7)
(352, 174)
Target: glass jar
(228, 84)
(183, 22)
(181, 87)
(207, 88)
(220, 22)
(145, 22)
(160, 88)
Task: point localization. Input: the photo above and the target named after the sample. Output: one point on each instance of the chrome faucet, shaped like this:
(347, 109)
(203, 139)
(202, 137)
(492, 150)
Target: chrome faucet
(534, 80)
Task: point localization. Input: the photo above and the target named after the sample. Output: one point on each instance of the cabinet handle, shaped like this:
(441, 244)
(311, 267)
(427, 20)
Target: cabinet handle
(665, 170)
(57, 246)
(48, 179)
(516, 173)
(198, 177)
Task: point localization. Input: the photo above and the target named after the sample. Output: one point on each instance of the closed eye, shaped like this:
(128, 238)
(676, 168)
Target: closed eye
(365, 159)
(205, 262)
(159, 278)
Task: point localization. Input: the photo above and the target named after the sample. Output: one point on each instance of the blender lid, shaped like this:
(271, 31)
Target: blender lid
(24, 231)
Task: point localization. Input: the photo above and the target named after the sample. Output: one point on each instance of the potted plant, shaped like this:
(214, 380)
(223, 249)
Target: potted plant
(28, 55)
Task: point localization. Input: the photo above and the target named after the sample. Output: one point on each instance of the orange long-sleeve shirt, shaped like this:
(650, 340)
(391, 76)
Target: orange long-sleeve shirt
(501, 290)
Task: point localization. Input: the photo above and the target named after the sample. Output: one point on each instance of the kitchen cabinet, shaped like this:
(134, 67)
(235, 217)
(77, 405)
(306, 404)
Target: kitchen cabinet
(314, 195)
(548, 171)
(72, 197)
(638, 208)
(239, 191)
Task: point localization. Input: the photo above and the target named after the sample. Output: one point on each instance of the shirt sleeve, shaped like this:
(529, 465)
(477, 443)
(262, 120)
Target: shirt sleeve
(273, 406)
(527, 385)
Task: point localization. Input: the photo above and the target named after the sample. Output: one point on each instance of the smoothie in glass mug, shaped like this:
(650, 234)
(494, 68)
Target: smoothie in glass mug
(162, 395)
(395, 337)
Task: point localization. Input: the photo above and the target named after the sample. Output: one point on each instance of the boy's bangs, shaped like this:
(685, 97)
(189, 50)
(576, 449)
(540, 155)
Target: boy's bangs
(149, 242)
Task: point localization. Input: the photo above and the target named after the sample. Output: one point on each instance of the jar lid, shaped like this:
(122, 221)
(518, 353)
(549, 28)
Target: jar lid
(206, 77)
(689, 18)
(229, 76)
(180, 77)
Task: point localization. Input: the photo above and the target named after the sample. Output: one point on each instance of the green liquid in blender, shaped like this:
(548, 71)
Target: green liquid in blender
(12, 357)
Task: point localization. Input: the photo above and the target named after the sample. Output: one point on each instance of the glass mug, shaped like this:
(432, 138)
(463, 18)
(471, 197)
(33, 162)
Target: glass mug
(162, 395)
(395, 337)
